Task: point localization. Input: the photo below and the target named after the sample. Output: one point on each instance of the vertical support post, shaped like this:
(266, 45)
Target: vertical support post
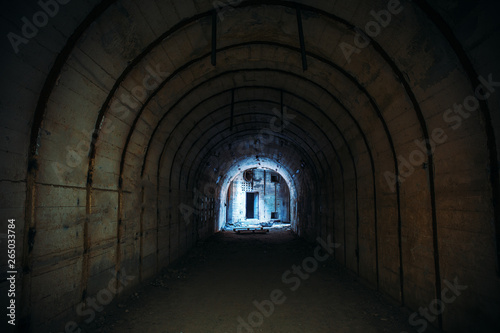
(301, 38)
(275, 197)
(264, 183)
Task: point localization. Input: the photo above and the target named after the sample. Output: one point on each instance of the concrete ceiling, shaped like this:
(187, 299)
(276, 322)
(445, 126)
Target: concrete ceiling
(120, 96)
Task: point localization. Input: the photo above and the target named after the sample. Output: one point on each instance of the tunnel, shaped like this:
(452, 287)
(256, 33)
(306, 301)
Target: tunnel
(129, 126)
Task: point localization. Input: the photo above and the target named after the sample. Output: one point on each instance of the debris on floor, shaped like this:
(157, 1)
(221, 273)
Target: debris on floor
(169, 274)
(239, 270)
(251, 230)
(230, 226)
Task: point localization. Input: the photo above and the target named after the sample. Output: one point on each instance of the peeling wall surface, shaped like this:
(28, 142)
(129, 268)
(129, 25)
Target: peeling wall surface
(124, 122)
(269, 193)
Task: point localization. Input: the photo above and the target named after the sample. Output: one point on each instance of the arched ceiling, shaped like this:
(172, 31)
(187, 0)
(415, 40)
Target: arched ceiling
(136, 103)
(154, 89)
(234, 49)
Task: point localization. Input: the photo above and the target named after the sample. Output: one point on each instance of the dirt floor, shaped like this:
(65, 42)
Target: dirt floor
(214, 288)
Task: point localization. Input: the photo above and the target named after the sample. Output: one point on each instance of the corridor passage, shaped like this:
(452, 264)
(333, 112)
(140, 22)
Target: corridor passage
(217, 283)
(136, 135)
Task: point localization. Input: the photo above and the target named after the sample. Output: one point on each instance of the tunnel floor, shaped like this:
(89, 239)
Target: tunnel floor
(219, 280)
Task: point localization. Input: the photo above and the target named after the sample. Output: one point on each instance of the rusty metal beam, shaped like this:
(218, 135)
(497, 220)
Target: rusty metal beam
(301, 38)
(214, 38)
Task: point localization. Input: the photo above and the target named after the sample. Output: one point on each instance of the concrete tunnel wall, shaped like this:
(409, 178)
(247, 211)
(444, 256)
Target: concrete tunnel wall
(113, 113)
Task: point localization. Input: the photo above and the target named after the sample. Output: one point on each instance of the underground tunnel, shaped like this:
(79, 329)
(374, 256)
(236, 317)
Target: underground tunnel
(360, 139)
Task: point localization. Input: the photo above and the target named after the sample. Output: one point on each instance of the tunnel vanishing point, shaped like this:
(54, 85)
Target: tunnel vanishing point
(126, 123)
